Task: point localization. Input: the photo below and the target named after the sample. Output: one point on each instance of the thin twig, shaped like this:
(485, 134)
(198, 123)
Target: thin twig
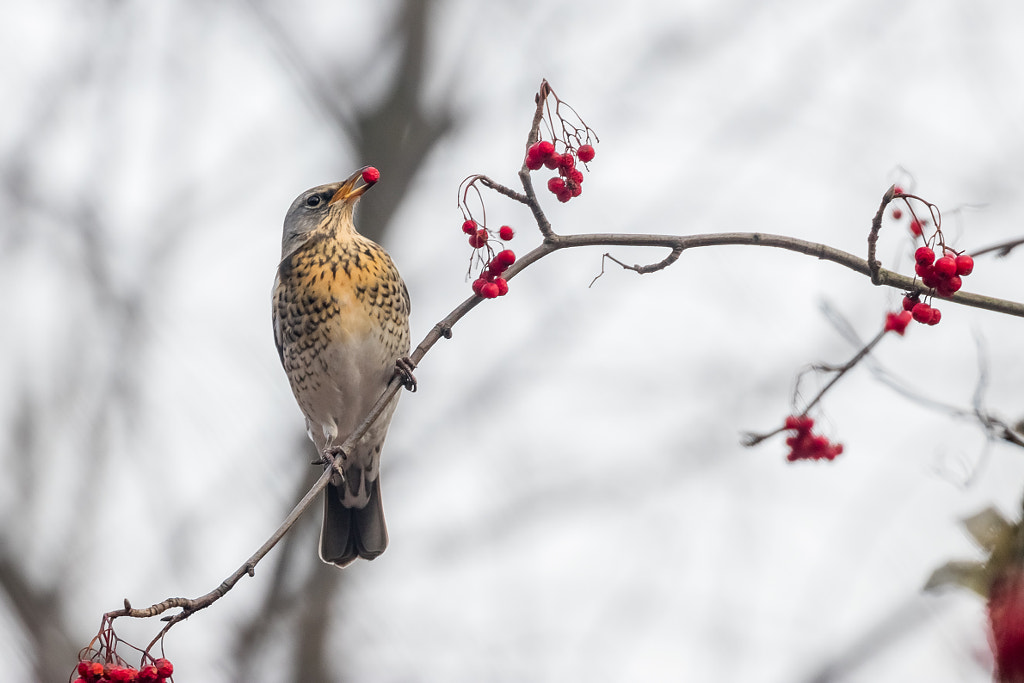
(843, 369)
(1002, 249)
(642, 270)
(524, 172)
(874, 265)
(502, 189)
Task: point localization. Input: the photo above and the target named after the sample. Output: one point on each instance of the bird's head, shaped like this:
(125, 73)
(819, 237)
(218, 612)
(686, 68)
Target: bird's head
(324, 208)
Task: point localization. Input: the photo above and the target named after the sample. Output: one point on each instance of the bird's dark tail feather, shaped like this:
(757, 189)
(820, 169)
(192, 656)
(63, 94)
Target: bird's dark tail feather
(351, 533)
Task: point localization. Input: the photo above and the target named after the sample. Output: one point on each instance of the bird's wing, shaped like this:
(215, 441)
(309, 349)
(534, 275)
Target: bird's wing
(275, 301)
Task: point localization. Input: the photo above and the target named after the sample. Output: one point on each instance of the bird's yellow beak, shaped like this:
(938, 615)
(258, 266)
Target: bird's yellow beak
(348, 190)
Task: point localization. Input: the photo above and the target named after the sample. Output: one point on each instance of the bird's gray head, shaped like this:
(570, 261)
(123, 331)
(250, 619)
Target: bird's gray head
(325, 207)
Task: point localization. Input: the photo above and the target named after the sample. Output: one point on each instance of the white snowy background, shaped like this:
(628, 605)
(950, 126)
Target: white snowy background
(567, 496)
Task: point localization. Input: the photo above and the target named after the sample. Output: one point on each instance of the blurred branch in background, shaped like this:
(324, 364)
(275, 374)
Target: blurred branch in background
(395, 133)
(65, 415)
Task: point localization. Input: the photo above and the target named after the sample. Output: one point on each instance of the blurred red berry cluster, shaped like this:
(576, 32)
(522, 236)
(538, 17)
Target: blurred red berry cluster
(897, 322)
(98, 672)
(1006, 625)
(490, 284)
(569, 181)
(805, 445)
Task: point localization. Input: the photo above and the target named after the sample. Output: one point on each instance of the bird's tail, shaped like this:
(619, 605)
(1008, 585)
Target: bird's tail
(349, 533)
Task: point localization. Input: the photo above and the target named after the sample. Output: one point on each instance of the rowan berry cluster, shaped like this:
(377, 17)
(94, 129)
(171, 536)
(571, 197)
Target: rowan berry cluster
(98, 672)
(490, 284)
(569, 181)
(805, 445)
(943, 275)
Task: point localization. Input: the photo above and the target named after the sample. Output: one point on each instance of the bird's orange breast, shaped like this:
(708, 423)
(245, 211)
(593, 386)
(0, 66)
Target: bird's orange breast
(334, 291)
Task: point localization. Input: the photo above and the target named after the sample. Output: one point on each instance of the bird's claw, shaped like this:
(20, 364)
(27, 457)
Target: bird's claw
(328, 457)
(403, 368)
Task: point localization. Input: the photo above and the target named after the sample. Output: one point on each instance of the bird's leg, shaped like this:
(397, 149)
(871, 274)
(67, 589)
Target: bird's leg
(403, 368)
(328, 456)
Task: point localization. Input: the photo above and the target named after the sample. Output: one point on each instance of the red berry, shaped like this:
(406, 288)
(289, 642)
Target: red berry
(506, 233)
(489, 290)
(897, 190)
(556, 185)
(506, 258)
(576, 176)
(922, 313)
(586, 153)
(909, 302)
(801, 423)
(478, 285)
(574, 188)
(897, 322)
(502, 286)
(924, 256)
(945, 267)
(915, 227)
(370, 175)
(928, 276)
(164, 668)
(469, 227)
(950, 286)
(552, 161)
(90, 671)
(535, 156)
(964, 264)
(566, 163)
(564, 195)
(148, 674)
(818, 443)
(478, 240)
(936, 317)
(122, 674)
(897, 214)
(545, 149)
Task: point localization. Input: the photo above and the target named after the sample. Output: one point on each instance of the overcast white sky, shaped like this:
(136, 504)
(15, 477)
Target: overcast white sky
(566, 494)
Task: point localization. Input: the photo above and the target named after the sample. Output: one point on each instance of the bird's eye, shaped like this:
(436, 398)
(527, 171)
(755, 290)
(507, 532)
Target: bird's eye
(313, 201)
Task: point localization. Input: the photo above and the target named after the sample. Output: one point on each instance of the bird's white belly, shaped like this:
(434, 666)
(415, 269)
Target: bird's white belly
(352, 375)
